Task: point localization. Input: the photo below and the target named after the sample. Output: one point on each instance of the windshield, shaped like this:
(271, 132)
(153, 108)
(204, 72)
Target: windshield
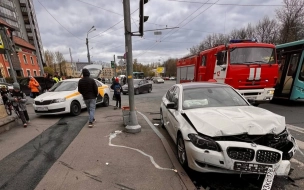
(64, 86)
(252, 55)
(211, 97)
(94, 73)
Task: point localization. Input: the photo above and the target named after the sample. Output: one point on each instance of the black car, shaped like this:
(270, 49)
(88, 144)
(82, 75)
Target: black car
(43, 82)
(140, 86)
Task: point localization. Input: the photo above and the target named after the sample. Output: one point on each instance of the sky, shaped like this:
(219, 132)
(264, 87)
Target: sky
(64, 25)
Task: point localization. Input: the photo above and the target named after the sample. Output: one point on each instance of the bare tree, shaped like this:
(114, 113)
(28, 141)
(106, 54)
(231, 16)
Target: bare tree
(267, 30)
(291, 18)
(59, 60)
(49, 58)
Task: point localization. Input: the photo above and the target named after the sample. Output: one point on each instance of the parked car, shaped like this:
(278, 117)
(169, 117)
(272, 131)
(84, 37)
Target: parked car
(64, 97)
(217, 130)
(158, 80)
(45, 84)
(140, 86)
(6, 84)
(172, 78)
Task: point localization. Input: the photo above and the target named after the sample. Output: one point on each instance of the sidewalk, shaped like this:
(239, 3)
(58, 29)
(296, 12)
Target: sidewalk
(105, 157)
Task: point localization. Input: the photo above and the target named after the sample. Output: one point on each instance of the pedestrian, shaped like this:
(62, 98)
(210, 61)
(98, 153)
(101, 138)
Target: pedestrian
(18, 98)
(4, 93)
(117, 93)
(88, 89)
(56, 77)
(48, 82)
(124, 80)
(34, 86)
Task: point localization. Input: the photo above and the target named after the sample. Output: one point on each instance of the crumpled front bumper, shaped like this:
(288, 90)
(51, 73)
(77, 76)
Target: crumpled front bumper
(204, 160)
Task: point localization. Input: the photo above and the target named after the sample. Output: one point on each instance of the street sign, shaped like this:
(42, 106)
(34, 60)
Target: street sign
(121, 62)
(160, 70)
(120, 57)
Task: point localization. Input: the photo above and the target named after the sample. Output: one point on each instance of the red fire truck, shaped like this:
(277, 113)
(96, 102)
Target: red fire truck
(248, 66)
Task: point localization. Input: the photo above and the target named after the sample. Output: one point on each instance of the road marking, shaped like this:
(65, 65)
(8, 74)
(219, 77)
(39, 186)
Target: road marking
(295, 128)
(113, 135)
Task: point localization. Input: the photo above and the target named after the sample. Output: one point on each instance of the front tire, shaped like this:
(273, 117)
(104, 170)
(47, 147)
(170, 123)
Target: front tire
(162, 123)
(150, 90)
(75, 108)
(105, 102)
(181, 151)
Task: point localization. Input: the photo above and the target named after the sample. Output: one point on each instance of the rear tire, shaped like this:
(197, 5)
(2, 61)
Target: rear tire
(105, 102)
(150, 90)
(136, 91)
(75, 108)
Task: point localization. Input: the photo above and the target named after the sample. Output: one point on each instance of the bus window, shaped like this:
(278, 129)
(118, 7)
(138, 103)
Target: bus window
(301, 74)
(293, 64)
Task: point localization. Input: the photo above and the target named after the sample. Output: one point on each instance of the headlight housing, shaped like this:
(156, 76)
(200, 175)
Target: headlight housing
(270, 92)
(59, 100)
(204, 142)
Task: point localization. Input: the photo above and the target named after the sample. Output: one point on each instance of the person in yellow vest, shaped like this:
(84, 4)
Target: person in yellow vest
(56, 77)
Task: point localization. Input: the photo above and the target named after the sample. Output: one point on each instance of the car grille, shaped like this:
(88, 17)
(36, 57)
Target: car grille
(46, 102)
(242, 154)
(270, 157)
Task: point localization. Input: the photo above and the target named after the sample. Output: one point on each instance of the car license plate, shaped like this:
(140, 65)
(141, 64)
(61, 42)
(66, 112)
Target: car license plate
(42, 108)
(250, 167)
(252, 98)
(268, 179)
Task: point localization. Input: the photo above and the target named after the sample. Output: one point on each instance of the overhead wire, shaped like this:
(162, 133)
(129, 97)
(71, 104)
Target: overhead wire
(230, 4)
(172, 30)
(58, 21)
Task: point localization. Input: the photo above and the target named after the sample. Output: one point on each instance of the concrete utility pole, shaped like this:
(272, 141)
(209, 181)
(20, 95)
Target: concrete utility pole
(133, 126)
(114, 67)
(8, 50)
(87, 43)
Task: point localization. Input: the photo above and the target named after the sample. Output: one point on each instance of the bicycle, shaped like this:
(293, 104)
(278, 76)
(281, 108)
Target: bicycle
(9, 107)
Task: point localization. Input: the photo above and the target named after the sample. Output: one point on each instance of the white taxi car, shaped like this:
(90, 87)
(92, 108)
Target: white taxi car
(64, 97)
(216, 130)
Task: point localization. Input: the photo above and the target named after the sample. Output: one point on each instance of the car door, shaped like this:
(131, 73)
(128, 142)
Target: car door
(167, 113)
(173, 113)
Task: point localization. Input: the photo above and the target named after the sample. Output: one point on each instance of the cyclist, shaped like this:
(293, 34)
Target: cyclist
(18, 98)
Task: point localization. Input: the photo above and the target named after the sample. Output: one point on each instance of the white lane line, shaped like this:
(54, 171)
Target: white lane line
(113, 135)
(295, 128)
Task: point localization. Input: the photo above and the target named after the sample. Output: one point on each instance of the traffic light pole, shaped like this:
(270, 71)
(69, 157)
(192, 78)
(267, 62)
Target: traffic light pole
(133, 126)
(114, 67)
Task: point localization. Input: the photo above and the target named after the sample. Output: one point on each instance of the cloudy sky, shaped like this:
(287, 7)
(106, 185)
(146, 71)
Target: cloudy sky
(64, 24)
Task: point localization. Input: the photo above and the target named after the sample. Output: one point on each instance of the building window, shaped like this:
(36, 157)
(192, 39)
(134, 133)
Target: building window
(35, 73)
(28, 72)
(24, 58)
(32, 61)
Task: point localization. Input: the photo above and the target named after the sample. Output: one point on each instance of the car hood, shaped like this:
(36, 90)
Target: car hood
(226, 121)
(55, 95)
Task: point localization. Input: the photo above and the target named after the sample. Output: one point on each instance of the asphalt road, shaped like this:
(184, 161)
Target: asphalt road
(149, 104)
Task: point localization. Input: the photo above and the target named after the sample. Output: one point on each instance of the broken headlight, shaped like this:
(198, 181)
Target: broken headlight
(204, 142)
(276, 141)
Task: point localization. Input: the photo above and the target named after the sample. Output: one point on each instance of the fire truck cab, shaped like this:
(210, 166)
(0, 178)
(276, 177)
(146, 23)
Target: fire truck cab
(246, 65)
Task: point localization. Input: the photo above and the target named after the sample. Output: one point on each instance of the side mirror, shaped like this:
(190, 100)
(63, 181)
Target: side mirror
(170, 105)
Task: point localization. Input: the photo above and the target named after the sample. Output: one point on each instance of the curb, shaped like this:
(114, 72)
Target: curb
(180, 170)
(8, 122)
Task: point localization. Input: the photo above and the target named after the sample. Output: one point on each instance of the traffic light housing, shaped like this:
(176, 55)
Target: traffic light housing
(142, 18)
(112, 64)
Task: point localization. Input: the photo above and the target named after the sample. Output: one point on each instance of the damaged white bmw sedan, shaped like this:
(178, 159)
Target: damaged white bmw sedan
(216, 130)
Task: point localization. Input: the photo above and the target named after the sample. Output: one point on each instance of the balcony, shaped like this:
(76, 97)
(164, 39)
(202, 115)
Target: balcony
(7, 6)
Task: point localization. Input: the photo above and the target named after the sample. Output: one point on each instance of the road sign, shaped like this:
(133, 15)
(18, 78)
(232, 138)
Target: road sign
(120, 57)
(160, 70)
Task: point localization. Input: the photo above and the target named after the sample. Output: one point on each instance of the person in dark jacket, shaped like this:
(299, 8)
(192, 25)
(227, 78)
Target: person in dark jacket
(117, 92)
(88, 89)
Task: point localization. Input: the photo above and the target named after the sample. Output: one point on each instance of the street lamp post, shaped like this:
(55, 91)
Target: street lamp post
(87, 43)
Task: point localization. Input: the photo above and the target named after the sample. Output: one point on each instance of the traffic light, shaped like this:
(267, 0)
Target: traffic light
(112, 64)
(142, 18)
